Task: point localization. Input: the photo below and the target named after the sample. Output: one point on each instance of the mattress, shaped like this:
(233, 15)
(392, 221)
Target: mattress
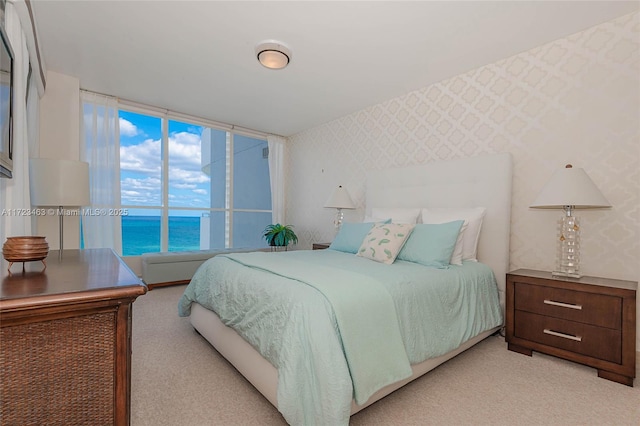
(292, 325)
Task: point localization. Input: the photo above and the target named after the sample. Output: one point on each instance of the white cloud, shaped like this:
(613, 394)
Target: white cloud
(144, 192)
(184, 160)
(184, 150)
(184, 185)
(141, 167)
(127, 128)
(146, 184)
(143, 157)
(183, 177)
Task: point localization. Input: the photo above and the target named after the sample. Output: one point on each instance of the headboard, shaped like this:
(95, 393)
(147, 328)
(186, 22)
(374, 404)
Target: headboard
(483, 181)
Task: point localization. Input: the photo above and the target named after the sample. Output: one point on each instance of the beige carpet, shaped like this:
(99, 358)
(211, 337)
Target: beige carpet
(179, 379)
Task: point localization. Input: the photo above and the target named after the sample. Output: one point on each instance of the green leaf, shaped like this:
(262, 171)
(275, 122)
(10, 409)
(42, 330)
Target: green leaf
(279, 235)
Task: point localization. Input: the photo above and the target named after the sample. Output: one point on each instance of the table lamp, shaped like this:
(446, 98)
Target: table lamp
(59, 183)
(569, 189)
(339, 199)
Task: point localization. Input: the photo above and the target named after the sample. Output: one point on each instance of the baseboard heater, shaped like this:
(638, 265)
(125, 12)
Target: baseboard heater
(172, 268)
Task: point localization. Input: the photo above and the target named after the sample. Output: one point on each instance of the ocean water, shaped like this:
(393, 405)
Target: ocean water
(141, 234)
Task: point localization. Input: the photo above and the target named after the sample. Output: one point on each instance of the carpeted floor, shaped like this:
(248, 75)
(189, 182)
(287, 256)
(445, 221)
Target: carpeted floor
(179, 379)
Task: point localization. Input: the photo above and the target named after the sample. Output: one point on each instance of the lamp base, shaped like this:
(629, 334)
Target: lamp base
(566, 274)
(568, 255)
(337, 222)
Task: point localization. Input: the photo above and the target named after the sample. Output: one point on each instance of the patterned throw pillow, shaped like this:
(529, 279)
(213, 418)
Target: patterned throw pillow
(384, 241)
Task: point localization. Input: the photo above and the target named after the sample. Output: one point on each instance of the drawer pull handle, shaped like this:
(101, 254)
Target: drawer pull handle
(562, 305)
(565, 336)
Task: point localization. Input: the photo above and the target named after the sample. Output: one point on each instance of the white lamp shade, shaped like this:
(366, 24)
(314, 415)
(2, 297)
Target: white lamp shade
(570, 186)
(54, 182)
(340, 199)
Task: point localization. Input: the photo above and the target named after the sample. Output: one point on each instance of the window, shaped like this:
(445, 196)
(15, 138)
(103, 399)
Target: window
(186, 186)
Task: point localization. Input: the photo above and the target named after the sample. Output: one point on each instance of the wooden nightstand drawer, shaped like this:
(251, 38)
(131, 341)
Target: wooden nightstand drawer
(597, 342)
(590, 320)
(589, 308)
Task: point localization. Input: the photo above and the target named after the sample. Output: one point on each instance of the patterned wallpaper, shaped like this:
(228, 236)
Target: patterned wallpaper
(574, 100)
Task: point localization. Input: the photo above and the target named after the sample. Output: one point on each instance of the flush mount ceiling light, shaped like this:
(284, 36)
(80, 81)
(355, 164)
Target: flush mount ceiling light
(273, 54)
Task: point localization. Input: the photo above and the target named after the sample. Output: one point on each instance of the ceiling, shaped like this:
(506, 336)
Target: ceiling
(198, 57)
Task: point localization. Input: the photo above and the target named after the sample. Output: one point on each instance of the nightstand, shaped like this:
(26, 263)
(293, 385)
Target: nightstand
(320, 246)
(589, 320)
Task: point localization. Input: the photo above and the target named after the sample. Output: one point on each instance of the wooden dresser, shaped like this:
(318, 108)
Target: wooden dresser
(65, 339)
(588, 320)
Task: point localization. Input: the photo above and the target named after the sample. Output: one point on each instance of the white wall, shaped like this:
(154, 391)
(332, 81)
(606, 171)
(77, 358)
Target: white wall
(575, 100)
(60, 118)
(60, 139)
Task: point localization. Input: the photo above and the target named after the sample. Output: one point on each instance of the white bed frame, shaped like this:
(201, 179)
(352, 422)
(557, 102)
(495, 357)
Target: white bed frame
(483, 181)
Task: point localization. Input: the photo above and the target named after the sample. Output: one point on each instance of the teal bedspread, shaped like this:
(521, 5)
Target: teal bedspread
(364, 312)
(315, 346)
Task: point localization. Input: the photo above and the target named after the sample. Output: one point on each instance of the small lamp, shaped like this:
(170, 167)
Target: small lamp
(59, 183)
(339, 199)
(569, 188)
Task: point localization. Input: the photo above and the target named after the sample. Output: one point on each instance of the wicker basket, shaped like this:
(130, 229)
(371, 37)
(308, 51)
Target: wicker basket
(25, 249)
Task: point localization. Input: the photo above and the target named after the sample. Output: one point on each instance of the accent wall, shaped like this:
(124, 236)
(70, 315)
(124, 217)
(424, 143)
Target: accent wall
(575, 100)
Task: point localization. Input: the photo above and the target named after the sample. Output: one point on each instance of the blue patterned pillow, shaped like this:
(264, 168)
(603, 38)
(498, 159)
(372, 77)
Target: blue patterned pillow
(431, 244)
(384, 241)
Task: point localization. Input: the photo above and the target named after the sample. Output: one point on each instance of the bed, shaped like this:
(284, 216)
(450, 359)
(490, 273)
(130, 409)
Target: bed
(287, 332)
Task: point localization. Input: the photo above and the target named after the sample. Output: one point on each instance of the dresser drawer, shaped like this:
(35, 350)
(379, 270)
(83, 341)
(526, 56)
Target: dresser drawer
(588, 308)
(597, 342)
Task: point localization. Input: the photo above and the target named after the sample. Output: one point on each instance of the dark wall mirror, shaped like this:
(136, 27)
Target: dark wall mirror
(6, 103)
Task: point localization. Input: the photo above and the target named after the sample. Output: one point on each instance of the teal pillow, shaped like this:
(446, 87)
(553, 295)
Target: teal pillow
(350, 237)
(431, 244)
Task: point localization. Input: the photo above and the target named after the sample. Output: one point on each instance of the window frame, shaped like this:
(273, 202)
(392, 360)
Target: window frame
(165, 116)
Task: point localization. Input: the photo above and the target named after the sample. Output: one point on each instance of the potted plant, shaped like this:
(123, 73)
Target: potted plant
(279, 235)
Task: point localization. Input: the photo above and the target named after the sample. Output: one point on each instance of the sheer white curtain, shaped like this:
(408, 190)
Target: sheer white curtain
(15, 191)
(100, 147)
(276, 177)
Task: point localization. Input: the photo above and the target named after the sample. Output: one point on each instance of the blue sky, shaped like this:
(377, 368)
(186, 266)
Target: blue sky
(141, 161)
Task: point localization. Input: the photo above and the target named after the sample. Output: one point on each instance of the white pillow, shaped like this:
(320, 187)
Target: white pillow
(384, 241)
(397, 215)
(469, 233)
(373, 219)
